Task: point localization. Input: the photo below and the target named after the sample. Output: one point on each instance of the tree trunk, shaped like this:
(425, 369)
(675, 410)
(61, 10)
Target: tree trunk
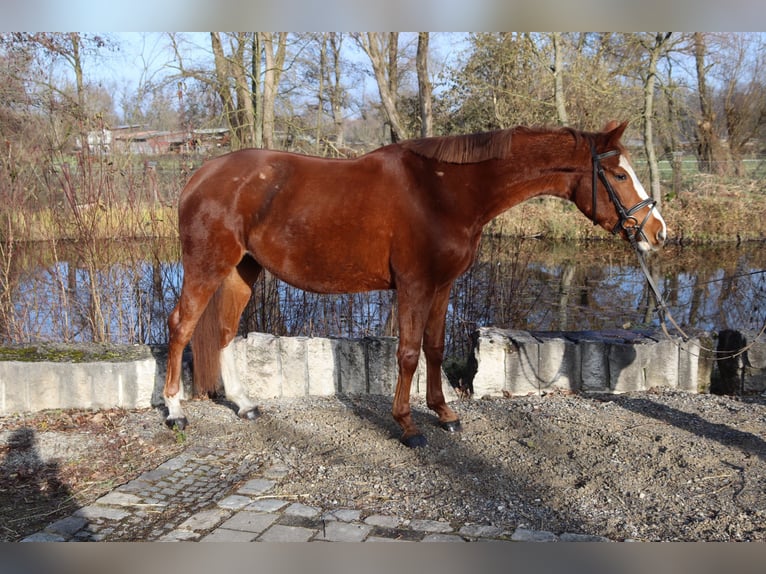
(424, 87)
(709, 150)
(255, 89)
(274, 63)
(655, 51)
(374, 45)
(245, 109)
(336, 96)
(558, 80)
(222, 74)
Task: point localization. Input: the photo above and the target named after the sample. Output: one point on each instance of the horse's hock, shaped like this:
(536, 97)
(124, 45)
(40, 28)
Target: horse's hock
(502, 362)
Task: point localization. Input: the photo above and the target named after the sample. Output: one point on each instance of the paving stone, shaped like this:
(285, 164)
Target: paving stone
(343, 514)
(481, 531)
(430, 526)
(178, 536)
(526, 535)
(234, 502)
(205, 520)
(67, 526)
(256, 486)
(96, 512)
(226, 535)
(279, 533)
(117, 498)
(44, 537)
(298, 509)
(336, 531)
(384, 521)
(255, 522)
(267, 505)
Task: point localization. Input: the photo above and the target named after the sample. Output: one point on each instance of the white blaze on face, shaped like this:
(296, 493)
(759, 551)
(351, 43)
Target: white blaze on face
(625, 164)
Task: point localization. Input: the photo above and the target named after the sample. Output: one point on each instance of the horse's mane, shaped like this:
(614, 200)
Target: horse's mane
(473, 148)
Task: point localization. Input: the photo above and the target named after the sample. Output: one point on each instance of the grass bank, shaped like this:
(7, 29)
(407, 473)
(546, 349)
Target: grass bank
(725, 214)
(708, 210)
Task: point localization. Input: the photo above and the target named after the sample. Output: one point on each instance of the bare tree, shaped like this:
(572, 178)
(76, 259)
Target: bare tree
(655, 45)
(558, 79)
(742, 63)
(424, 87)
(710, 152)
(274, 48)
(383, 50)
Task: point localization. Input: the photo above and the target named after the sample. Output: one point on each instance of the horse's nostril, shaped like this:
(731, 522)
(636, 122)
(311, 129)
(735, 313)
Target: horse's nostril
(661, 236)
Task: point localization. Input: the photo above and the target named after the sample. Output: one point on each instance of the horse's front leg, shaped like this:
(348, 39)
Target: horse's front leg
(412, 318)
(433, 347)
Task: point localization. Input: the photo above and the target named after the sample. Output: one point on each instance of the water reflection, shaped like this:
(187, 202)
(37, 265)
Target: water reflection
(123, 292)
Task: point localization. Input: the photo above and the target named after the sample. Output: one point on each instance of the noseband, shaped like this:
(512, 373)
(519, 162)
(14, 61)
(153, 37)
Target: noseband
(626, 221)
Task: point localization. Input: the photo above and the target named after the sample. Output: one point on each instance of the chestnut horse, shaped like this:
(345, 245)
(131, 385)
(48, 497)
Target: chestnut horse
(407, 216)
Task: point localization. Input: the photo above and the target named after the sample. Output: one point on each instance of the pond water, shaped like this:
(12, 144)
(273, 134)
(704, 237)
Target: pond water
(122, 292)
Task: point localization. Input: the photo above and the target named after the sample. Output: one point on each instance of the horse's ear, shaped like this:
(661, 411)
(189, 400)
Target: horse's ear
(615, 130)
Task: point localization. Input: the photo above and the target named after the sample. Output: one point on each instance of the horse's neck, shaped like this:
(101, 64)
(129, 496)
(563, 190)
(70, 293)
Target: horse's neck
(512, 185)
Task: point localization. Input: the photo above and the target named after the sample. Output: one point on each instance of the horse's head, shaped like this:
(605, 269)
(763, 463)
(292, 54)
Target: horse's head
(615, 199)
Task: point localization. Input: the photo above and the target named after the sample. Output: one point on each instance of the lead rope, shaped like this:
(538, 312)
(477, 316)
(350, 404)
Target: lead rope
(665, 315)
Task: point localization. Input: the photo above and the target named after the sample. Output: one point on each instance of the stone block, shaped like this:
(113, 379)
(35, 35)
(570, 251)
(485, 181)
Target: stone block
(558, 363)
(662, 362)
(263, 374)
(692, 365)
(351, 366)
(382, 367)
(594, 361)
(490, 347)
(293, 360)
(626, 371)
(522, 364)
(320, 367)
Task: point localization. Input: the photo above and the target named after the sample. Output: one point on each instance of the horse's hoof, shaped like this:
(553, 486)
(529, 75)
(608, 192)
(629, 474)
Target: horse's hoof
(415, 441)
(452, 426)
(250, 414)
(177, 424)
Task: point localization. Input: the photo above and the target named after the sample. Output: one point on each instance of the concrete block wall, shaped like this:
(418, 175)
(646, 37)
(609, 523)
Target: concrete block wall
(35, 386)
(268, 366)
(271, 366)
(504, 361)
(520, 362)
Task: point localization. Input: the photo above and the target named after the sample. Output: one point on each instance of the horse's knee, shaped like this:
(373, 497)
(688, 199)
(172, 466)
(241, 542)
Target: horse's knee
(408, 360)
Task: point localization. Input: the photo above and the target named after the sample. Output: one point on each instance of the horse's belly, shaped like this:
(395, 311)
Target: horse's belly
(325, 271)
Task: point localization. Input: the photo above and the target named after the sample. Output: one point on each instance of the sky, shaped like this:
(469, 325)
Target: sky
(374, 15)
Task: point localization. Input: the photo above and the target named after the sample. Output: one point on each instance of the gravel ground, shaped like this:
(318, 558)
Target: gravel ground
(654, 466)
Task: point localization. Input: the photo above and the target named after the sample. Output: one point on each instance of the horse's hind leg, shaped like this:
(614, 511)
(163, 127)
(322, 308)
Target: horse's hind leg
(237, 289)
(181, 323)
(433, 348)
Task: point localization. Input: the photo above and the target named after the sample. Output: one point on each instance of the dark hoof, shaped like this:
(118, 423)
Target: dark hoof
(452, 426)
(251, 414)
(415, 441)
(177, 424)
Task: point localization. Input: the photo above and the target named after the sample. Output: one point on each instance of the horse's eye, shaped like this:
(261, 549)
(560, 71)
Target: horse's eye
(621, 177)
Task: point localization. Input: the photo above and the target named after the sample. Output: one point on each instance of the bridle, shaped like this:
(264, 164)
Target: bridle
(632, 227)
(627, 221)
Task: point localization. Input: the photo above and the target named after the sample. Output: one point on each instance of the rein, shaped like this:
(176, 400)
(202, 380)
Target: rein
(634, 230)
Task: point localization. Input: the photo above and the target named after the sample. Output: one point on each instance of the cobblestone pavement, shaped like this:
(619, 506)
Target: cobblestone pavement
(207, 496)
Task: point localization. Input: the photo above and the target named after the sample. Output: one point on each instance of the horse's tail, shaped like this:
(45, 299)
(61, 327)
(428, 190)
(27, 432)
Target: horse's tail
(206, 348)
